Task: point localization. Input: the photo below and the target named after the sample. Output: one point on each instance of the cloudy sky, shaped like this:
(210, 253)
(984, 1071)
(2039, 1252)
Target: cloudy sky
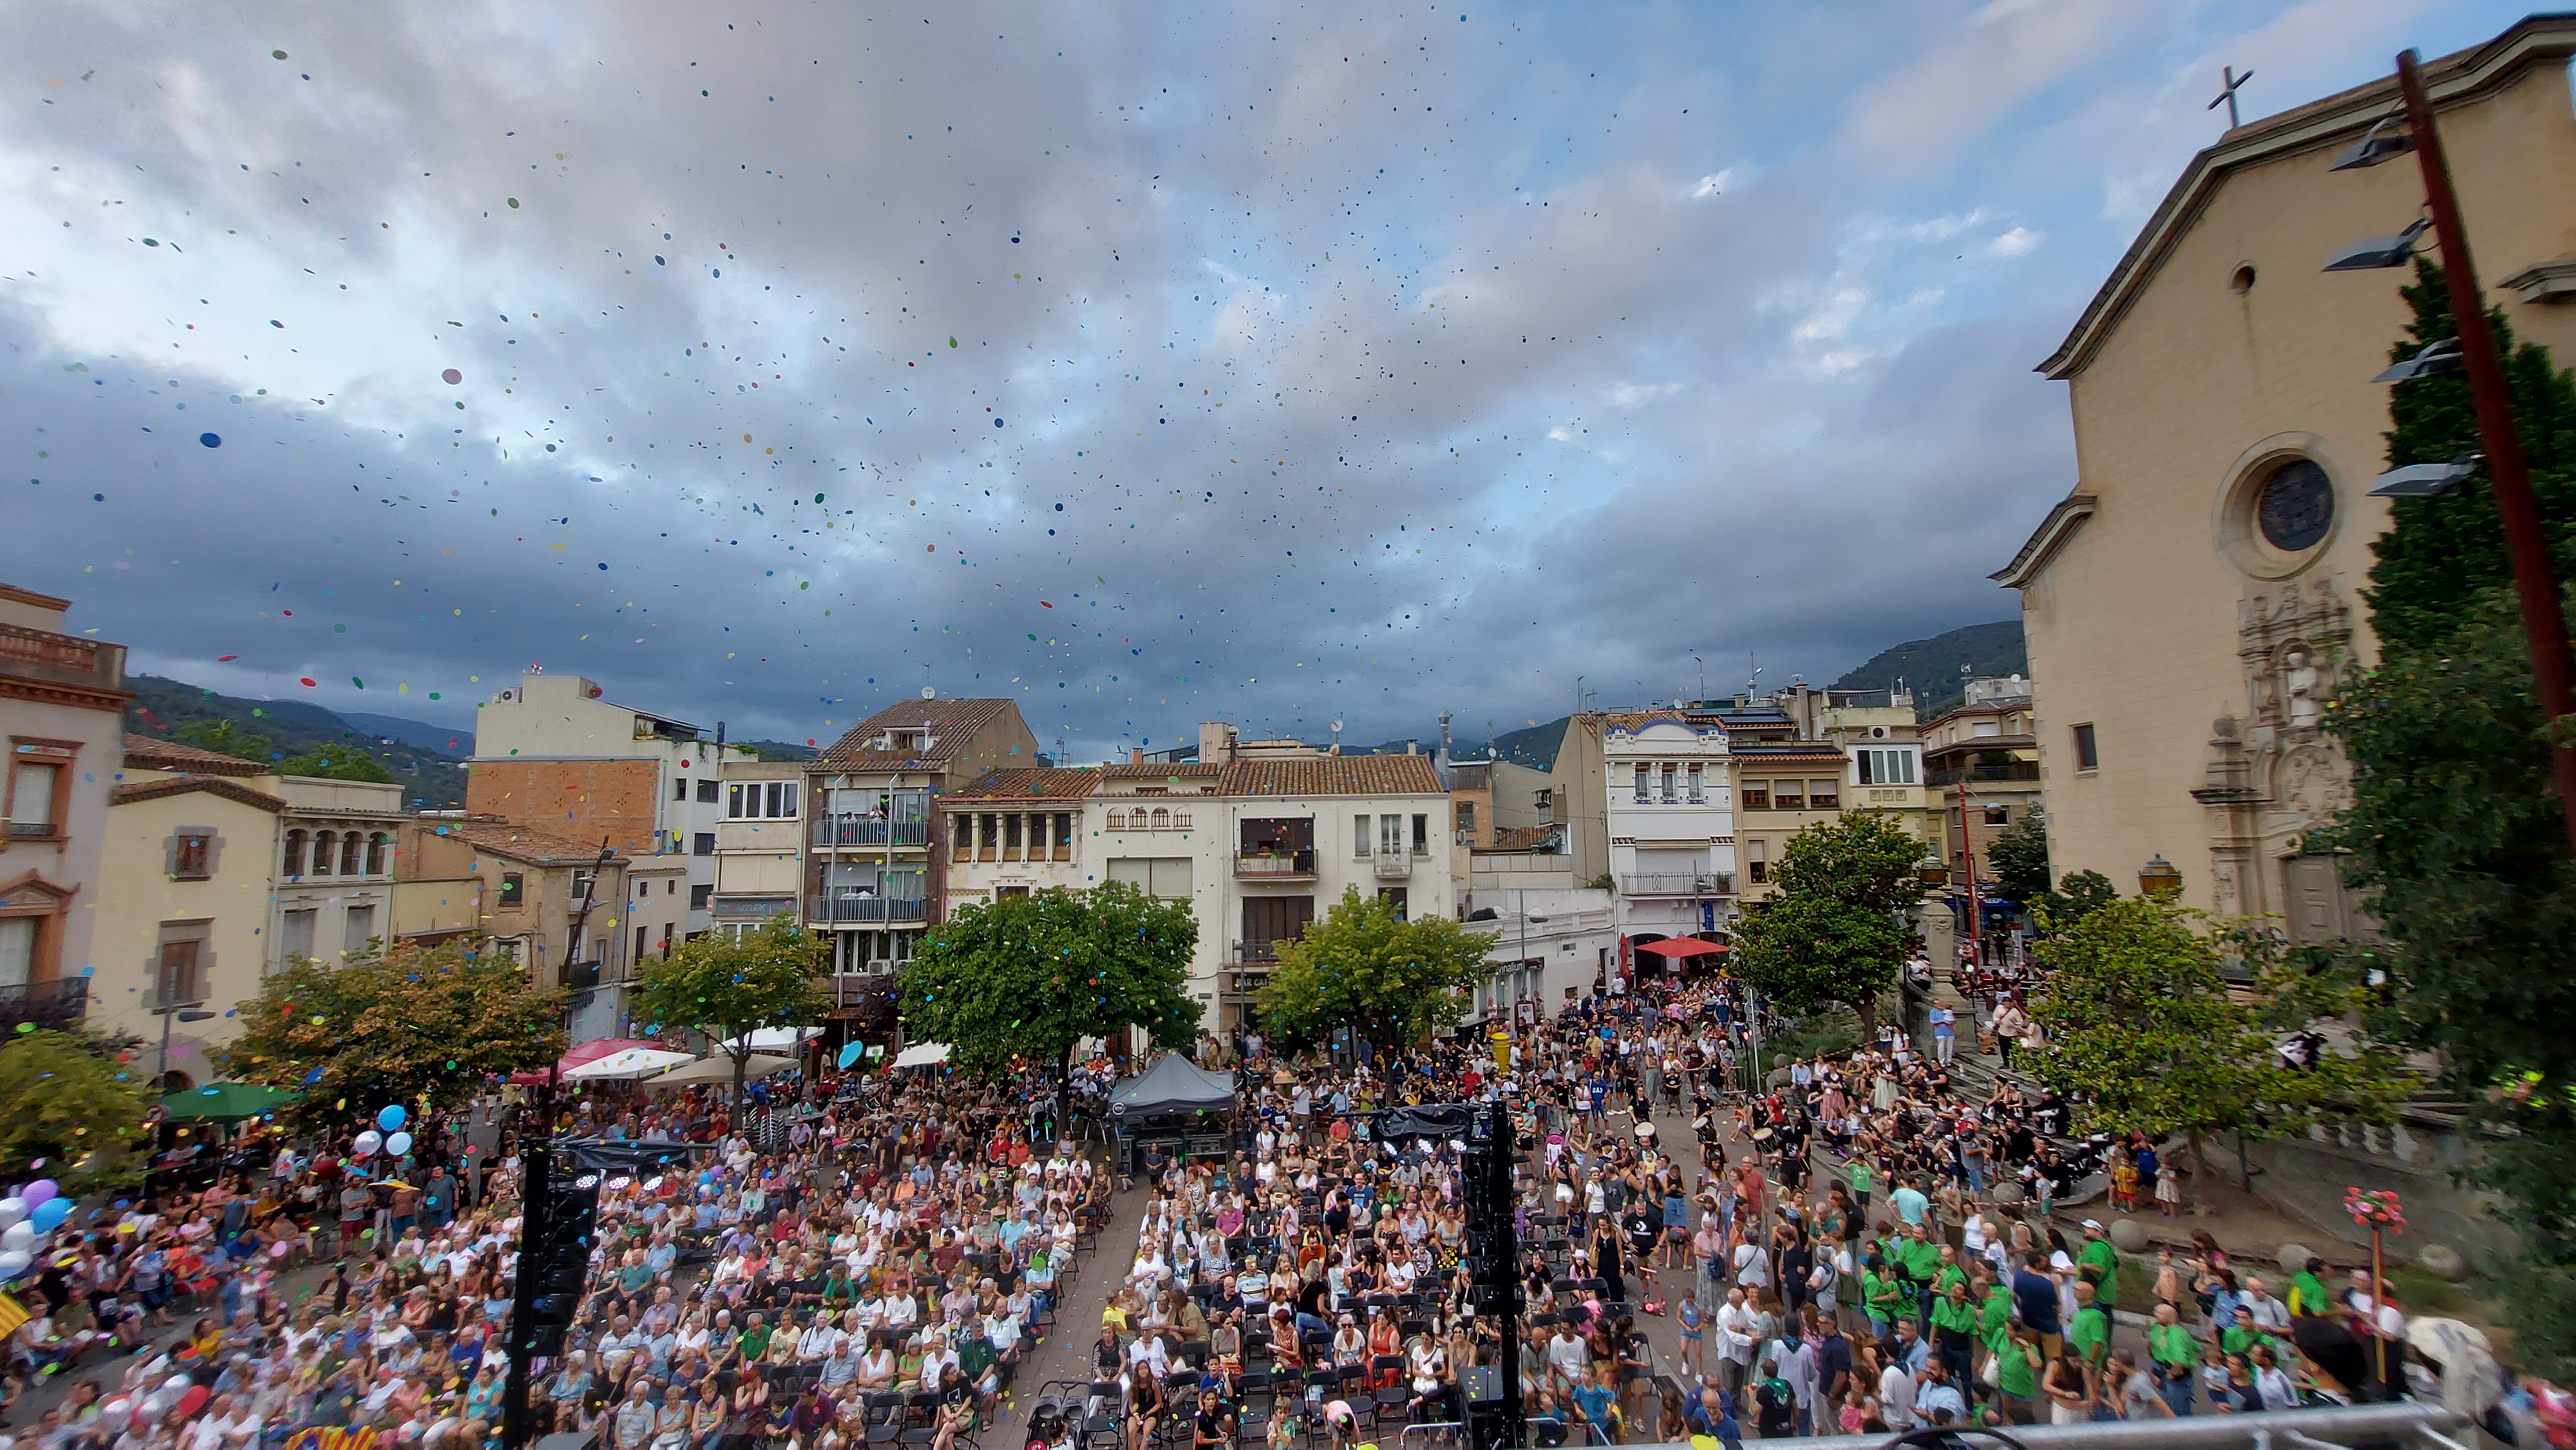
(1145, 364)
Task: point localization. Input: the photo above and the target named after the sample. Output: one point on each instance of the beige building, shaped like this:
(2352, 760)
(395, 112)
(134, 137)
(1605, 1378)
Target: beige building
(1982, 764)
(2194, 604)
(62, 706)
(760, 843)
(521, 890)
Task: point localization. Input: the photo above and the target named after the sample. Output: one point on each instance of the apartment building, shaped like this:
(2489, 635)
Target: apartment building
(549, 902)
(1258, 840)
(62, 706)
(760, 844)
(872, 861)
(553, 754)
(1981, 764)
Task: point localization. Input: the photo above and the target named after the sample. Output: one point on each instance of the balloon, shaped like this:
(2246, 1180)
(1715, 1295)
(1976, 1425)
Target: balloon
(391, 1118)
(18, 1237)
(12, 1209)
(115, 1413)
(398, 1145)
(177, 1384)
(40, 1190)
(14, 1262)
(367, 1143)
(49, 1215)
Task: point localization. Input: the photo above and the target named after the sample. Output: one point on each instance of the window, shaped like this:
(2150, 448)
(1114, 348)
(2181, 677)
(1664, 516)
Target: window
(1466, 815)
(1011, 838)
(1756, 868)
(1117, 820)
(1757, 795)
(1789, 795)
(1985, 727)
(699, 895)
(295, 853)
(1671, 774)
(1390, 835)
(376, 847)
(581, 884)
(1886, 767)
(298, 933)
(1698, 776)
(1422, 835)
(192, 855)
(1359, 837)
(1824, 795)
(1162, 819)
(707, 791)
(2296, 506)
(1064, 835)
(1395, 895)
(639, 946)
(1644, 789)
(353, 854)
(357, 928)
(1997, 815)
(325, 845)
(1268, 920)
(905, 740)
(703, 844)
(32, 790)
(782, 801)
(1167, 877)
(2087, 757)
(679, 787)
(176, 979)
(510, 888)
(17, 950)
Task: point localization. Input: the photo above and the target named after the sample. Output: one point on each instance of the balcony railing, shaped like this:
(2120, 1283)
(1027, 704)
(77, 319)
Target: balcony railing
(1261, 953)
(1672, 883)
(832, 910)
(869, 831)
(1394, 865)
(60, 1003)
(2009, 770)
(1278, 865)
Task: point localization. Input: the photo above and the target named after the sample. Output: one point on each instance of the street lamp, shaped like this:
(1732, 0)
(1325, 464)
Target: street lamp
(2535, 580)
(2158, 880)
(2442, 355)
(2426, 480)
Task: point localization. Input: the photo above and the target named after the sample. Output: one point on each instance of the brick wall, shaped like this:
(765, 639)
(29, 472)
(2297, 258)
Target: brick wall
(582, 799)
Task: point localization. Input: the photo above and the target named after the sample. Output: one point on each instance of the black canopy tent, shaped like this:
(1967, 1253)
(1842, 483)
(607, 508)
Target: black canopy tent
(1176, 1104)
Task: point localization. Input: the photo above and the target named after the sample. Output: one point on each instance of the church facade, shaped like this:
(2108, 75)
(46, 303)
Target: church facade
(2194, 604)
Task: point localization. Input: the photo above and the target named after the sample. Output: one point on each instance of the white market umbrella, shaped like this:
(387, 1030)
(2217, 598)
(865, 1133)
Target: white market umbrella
(719, 1069)
(627, 1063)
(778, 1039)
(922, 1054)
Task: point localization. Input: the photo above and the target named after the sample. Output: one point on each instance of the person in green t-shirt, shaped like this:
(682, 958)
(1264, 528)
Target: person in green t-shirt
(1860, 1183)
(755, 1338)
(2017, 1375)
(2088, 1335)
(2177, 1359)
(2308, 1292)
(1881, 1298)
(2100, 1263)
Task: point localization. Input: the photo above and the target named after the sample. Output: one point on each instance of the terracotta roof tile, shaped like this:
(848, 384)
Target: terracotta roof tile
(142, 752)
(520, 843)
(1521, 838)
(1333, 775)
(1168, 770)
(162, 787)
(1025, 783)
(952, 725)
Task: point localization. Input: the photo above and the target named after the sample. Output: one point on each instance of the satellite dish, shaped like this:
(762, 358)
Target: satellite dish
(930, 692)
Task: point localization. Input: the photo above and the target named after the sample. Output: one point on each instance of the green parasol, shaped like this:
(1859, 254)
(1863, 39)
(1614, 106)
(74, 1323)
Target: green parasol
(226, 1102)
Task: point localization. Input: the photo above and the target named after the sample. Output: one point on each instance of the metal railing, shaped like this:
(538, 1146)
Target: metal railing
(2010, 770)
(1300, 862)
(869, 831)
(1394, 865)
(835, 909)
(1261, 953)
(2422, 1425)
(60, 1003)
(1675, 884)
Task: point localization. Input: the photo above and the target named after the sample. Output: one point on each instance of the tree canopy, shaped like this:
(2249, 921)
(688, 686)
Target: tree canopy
(2018, 859)
(729, 989)
(74, 1114)
(336, 762)
(405, 1024)
(2145, 1035)
(1365, 967)
(1835, 931)
(1023, 980)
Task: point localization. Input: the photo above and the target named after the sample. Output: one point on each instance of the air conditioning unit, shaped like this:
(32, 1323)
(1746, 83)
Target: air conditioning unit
(506, 696)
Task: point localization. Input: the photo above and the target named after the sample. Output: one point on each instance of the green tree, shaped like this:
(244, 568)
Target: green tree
(1363, 966)
(337, 762)
(2078, 895)
(404, 1025)
(2455, 828)
(2145, 1034)
(1022, 980)
(729, 989)
(1835, 931)
(224, 737)
(2018, 859)
(73, 1116)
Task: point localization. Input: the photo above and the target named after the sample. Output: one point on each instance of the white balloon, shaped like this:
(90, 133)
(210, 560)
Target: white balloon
(13, 1209)
(157, 1404)
(14, 1262)
(397, 1145)
(177, 1385)
(367, 1143)
(115, 1413)
(18, 1237)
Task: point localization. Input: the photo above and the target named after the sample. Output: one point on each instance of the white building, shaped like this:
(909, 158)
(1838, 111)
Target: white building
(1666, 792)
(1259, 845)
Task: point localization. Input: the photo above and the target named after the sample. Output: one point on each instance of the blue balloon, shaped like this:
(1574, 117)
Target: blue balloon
(49, 1215)
(392, 1117)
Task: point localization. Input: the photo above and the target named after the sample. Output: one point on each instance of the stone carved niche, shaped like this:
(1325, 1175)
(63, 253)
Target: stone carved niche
(2273, 773)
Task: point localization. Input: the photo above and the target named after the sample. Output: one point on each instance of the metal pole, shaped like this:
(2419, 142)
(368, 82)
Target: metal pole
(1506, 1248)
(535, 1178)
(2544, 625)
(1968, 862)
(161, 1073)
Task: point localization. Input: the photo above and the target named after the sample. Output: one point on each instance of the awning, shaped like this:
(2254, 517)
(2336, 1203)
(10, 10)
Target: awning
(922, 1054)
(627, 1062)
(719, 1069)
(225, 1102)
(1681, 947)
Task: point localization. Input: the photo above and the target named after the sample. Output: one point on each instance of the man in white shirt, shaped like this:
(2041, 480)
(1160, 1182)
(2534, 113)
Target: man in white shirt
(2270, 1314)
(1567, 1355)
(1896, 1395)
(1734, 1323)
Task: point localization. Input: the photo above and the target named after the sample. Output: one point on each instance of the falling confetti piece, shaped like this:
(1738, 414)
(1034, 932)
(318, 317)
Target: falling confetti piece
(451, 376)
(226, 659)
(211, 440)
(305, 680)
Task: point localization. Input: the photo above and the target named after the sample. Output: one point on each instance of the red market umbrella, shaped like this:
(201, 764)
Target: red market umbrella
(1681, 947)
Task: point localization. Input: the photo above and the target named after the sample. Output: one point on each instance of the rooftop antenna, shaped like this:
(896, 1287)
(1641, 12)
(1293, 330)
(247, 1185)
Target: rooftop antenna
(1703, 679)
(929, 691)
(1337, 735)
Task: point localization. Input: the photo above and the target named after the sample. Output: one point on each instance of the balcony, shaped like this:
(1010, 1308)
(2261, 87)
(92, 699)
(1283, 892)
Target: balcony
(1973, 774)
(1393, 866)
(1259, 954)
(847, 910)
(1296, 865)
(41, 654)
(869, 831)
(60, 1004)
(1676, 884)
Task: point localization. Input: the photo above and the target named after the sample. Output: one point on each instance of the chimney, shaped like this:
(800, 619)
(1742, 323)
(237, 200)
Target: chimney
(1413, 747)
(1135, 757)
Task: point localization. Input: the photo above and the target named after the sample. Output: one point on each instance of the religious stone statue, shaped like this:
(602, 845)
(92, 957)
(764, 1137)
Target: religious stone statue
(2300, 682)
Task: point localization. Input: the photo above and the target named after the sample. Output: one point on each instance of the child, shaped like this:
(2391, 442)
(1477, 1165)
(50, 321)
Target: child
(2168, 1287)
(2124, 1180)
(1691, 1337)
(2168, 1190)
